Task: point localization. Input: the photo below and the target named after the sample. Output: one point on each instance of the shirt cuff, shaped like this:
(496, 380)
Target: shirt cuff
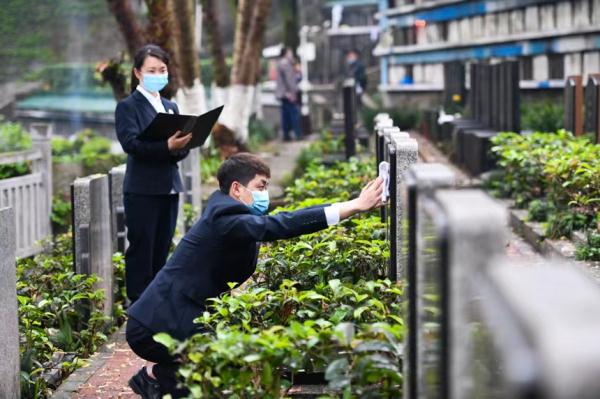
(332, 214)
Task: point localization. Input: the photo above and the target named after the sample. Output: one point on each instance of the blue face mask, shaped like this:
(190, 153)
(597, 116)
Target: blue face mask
(153, 82)
(260, 202)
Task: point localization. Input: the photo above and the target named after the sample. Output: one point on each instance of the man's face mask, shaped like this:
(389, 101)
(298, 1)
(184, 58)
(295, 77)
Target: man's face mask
(260, 202)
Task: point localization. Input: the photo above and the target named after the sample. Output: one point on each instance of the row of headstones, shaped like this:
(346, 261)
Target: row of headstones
(99, 219)
(478, 324)
(582, 106)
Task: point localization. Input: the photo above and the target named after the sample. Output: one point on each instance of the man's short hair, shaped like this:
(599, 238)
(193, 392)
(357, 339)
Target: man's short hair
(242, 167)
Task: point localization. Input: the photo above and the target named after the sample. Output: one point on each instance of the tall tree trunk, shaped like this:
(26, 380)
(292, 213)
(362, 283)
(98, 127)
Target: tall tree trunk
(112, 71)
(242, 27)
(213, 30)
(160, 31)
(128, 24)
(185, 17)
(190, 96)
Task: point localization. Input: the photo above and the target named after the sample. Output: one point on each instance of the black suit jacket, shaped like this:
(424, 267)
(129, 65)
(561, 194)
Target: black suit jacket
(221, 247)
(151, 168)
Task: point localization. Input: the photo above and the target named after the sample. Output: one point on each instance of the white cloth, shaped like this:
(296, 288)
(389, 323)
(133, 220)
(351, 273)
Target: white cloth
(155, 101)
(332, 214)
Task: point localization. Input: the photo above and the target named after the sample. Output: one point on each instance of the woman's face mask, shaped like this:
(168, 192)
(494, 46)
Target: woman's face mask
(155, 82)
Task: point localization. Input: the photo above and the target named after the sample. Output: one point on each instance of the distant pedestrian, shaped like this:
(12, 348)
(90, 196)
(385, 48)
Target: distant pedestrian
(287, 93)
(355, 69)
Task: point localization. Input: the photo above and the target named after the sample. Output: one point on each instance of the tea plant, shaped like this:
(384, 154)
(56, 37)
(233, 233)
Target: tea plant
(59, 311)
(591, 249)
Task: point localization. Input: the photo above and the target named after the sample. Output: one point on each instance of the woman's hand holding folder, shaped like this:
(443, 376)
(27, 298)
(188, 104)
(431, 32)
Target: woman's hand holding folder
(179, 140)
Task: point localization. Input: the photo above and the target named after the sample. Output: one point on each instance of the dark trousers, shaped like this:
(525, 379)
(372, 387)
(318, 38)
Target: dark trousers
(150, 221)
(142, 344)
(290, 119)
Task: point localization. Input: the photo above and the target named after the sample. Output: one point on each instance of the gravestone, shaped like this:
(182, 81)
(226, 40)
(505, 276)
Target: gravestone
(420, 179)
(92, 233)
(511, 100)
(349, 117)
(592, 107)
(574, 105)
(9, 316)
(528, 339)
(117, 209)
(190, 176)
(454, 83)
(379, 139)
(405, 153)
(41, 139)
(458, 232)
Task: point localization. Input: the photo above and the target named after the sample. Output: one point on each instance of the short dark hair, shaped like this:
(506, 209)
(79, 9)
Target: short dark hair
(241, 167)
(150, 50)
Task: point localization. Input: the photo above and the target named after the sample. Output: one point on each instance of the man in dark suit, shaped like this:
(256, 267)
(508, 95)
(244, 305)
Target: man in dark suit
(221, 247)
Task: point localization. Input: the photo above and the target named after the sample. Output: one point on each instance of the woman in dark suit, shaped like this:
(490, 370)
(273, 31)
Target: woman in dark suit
(152, 182)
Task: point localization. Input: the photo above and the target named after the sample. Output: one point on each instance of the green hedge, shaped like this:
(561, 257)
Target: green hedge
(317, 303)
(60, 312)
(554, 174)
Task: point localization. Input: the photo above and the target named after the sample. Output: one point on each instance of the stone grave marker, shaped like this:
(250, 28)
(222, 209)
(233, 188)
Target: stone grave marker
(420, 179)
(574, 105)
(458, 232)
(403, 152)
(532, 333)
(9, 316)
(92, 236)
(349, 117)
(592, 106)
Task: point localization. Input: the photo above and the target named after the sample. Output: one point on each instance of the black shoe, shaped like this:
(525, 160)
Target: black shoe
(143, 385)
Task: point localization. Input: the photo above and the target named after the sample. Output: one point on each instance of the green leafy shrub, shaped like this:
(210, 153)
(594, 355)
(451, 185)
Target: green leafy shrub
(350, 251)
(539, 210)
(88, 148)
(591, 249)
(405, 119)
(59, 311)
(523, 158)
(235, 363)
(317, 304)
(13, 137)
(555, 172)
(542, 116)
(341, 181)
(60, 215)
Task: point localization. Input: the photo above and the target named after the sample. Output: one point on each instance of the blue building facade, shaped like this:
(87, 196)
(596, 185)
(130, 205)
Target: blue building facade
(550, 39)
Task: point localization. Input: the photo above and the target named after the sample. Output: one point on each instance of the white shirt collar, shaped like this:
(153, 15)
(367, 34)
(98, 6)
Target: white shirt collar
(155, 101)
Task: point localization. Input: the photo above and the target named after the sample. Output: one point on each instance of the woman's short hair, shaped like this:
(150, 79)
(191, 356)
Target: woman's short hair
(241, 167)
(150, 50)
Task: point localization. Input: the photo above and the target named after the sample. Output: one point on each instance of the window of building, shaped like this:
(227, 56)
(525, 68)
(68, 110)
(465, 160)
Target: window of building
(556, 66)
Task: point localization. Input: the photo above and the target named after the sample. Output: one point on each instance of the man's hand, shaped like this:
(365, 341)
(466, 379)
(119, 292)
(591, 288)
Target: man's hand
(178, 141)
(369, 198)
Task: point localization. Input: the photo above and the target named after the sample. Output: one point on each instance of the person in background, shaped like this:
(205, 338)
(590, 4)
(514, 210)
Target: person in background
(222, 247)
(152, 183)
(356, 70)
(287, 92)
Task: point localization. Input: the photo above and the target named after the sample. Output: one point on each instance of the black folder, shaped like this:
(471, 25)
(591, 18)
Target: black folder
(164, 126)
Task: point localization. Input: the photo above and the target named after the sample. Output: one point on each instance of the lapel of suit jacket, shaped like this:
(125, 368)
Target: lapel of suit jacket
(167, 104)
(145, 105)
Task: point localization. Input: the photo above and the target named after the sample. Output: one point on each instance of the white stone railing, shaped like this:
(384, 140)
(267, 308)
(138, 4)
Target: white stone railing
(30, 196)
